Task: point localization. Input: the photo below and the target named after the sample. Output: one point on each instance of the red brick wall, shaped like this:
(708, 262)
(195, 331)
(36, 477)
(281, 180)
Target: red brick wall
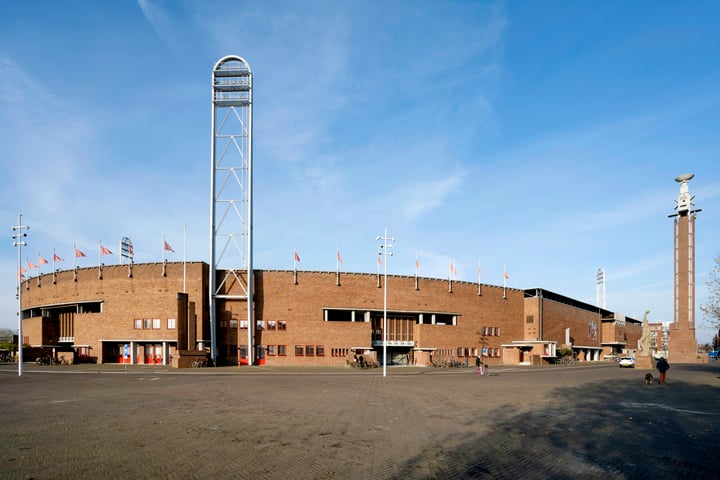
(302, 307)
(148, 294)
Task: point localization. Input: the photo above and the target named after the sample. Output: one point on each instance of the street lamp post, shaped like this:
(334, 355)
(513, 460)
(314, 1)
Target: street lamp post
(19, 242)
(385, 251)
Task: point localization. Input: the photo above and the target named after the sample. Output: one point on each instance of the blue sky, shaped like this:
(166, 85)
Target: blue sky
(544, 136)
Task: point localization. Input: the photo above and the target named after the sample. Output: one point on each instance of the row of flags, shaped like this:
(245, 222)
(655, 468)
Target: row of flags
(453, 271)
(127, 251)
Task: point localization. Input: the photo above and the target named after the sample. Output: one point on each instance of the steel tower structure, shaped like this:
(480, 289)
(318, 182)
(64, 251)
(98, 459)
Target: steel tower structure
(231, 191)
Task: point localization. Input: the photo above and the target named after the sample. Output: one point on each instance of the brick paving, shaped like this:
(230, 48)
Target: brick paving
(592, 421)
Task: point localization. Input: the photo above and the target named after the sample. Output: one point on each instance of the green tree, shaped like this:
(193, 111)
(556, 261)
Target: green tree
(712, 308)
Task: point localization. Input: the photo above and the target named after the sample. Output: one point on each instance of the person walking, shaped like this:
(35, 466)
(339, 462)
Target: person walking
(662, 367)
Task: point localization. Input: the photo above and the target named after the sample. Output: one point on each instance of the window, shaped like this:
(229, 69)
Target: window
(156, 324)
(272, 325)
(171, 324)
(243, 324)
(460, 352)
(138, 324)
(243, 351)
(233, 323)
(271, 350)
(529, 319)
(320, 350)
(282, 350)
(483, 330)
(282, 325)
(260, 325)
(299, 350)
(310, 350)
(147, 323)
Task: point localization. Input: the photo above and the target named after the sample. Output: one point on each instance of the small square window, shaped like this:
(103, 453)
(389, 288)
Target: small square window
(243, 324)
(310, 350)
(282, 350)
(271, 350)
(147, 323)
(171, 324)
(156, 324)
(271, 325)
(260, 325)
(320, 350)
(282, 325)
(299, 350)
(138, 324)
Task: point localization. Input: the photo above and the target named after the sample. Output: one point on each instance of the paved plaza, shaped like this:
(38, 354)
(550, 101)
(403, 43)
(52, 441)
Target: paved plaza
(583, 421)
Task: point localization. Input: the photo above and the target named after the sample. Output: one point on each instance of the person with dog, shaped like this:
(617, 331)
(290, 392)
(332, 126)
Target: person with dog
(662, 367)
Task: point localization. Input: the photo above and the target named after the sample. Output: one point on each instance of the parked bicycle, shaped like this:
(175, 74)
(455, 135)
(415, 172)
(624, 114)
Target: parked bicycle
(199, 363)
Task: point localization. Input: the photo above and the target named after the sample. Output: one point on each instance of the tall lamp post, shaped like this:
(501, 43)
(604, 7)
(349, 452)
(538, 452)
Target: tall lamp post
(385, 251)
(19, 242)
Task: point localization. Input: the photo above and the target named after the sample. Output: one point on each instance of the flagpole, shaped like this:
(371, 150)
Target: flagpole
(504, 281)
(416, 270)
(185, 258)
(479, 273)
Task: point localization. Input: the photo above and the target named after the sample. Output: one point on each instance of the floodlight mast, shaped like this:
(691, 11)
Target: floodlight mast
(384, 250)
(19, 242)
(231, 208)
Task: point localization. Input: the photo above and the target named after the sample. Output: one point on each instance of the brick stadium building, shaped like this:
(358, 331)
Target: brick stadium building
(138, 314)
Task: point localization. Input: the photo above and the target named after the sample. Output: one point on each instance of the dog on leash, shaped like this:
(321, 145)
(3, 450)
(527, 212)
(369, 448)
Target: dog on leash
(649, 379)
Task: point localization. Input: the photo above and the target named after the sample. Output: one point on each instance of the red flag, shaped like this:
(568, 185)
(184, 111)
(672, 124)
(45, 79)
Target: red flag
(297, 257)
(339, 257)
(168, 247)
(104, 250)
(31, 265)
(22, 270)
(57, 258)
(505, 274)
(79, 254)
(379, 260)
(42, 261)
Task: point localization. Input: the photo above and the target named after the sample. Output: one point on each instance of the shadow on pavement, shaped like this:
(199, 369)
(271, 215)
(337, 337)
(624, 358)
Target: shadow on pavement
(625, 430)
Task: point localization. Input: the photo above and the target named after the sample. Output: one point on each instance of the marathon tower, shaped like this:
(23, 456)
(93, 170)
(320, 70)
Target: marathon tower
(231, 191)
(682, 347)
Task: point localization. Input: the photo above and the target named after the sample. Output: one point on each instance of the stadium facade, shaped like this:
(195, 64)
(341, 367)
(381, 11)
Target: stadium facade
(158, 313)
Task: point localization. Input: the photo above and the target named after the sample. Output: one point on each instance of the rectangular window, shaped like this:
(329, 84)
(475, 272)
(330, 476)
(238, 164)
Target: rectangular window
(171, 324)
(272, 350)
(310, 350)
(299, 350)
(147, 323)
(260, 324)
(156, 324)
(529, 319)
(233, 323)
(483, 330)
(282, 350)
(243, 324)
(138, 324)
(497, 331)
(272, 325)
(282, 325)
(320, 350)
(460, 352)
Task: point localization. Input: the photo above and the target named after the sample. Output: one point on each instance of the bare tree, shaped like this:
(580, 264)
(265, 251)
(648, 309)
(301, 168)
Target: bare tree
(712, 308)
